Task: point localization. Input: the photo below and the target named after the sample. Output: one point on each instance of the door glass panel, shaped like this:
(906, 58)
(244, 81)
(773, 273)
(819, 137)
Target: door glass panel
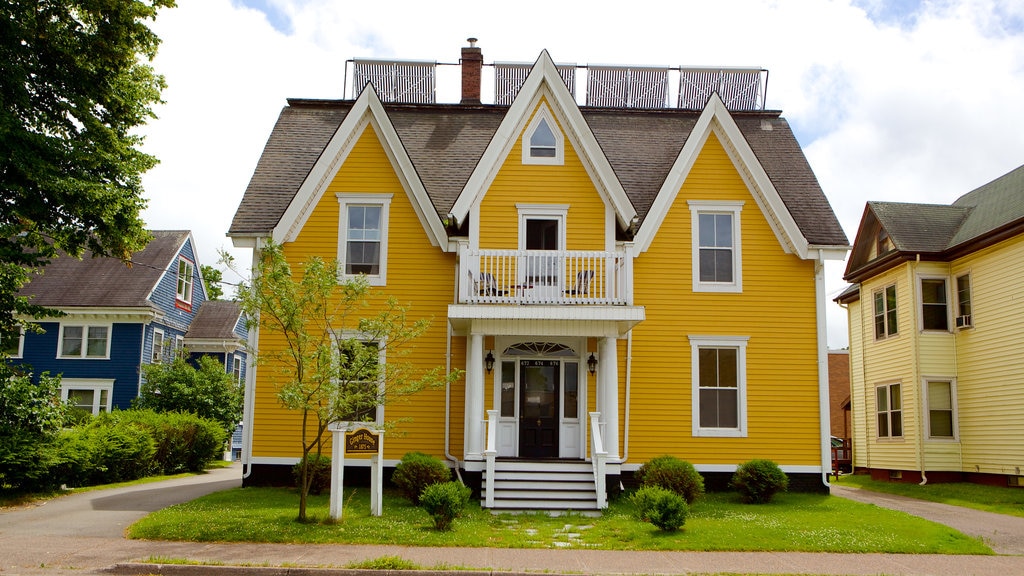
(540, 383)
(508, 389)
(570, 406)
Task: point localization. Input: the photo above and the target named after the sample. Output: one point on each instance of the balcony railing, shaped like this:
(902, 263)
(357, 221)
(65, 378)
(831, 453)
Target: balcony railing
(544, 277)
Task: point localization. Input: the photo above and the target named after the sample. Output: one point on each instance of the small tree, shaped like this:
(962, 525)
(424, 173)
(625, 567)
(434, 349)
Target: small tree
(31, 413)
(212, 278)
(207, 391)
(328, 365)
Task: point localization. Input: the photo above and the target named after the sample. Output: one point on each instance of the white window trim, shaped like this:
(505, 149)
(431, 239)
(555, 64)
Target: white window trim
(698, 207)
(926, 417)
(903, 411)
(236, 367)
(85, 341)
(346, 200)
(885, 313)
(20, 352)
(96, 385)
(186, 298)
(381, 360)
(544, 113)
(740, 344)
(154, 358)
(179, 346)
(558, 212)
(920, 302)
(955, 289)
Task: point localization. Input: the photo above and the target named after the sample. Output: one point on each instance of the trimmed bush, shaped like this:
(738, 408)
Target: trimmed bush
(183, 442)
(661, 507)
(25, 461)
(673, 474)
(103, 454)
(758, 480)
(416, 471)
(318, 469)
(445, 502)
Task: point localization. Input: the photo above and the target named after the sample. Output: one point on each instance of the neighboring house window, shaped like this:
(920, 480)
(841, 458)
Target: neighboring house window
(718, 378)
(941, 410)
(359, 375)
(934, 307)
(889, 409)
(92, 396)
(158, 346)
(364, 234)
(717, 258)
(84, 341)
(543, 142)
(885, 312)
(964, 319)
(179, 347)
(186, 276)
(13, 343)
(236, 368)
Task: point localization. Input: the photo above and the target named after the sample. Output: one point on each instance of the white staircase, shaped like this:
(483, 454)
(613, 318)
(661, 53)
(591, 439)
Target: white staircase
(526, 486)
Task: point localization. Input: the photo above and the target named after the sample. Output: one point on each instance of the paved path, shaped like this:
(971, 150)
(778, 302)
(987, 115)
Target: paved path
(83, 534)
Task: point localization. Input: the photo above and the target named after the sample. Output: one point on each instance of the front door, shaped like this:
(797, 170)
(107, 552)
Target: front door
(538, 415)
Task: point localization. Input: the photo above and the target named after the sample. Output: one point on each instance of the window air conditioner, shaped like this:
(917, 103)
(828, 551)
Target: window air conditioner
(963, 321)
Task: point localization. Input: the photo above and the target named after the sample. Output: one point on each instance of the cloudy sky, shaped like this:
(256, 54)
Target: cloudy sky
(901, 100)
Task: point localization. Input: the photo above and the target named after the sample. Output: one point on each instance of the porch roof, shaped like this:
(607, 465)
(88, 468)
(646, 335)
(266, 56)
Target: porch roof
(513, 320)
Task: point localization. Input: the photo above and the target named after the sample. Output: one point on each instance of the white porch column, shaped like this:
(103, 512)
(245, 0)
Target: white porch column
(474, 441)
(608, 394)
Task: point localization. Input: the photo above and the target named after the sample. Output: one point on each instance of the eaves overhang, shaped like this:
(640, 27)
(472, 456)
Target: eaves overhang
(518, 320)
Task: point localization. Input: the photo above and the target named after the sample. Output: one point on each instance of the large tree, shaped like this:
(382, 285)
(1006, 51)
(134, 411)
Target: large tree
(327, 366)
(75, 84)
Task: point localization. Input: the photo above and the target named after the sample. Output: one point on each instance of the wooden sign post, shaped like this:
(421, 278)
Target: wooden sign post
(358, 441)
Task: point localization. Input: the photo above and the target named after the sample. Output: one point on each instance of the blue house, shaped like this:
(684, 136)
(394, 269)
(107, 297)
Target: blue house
(118, 318)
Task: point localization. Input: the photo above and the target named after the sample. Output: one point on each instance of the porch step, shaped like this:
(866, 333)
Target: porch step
(522, 486)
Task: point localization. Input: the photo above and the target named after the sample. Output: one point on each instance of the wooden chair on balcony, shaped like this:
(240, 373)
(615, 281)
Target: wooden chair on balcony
(486, 285)
(582, 286)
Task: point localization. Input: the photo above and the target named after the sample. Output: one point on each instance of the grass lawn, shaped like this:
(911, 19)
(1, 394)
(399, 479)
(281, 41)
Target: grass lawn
(793, 522)
(988, 498)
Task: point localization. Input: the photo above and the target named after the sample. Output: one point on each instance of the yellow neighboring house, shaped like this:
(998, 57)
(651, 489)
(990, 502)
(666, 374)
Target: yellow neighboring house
(619, 280)
(936, 329)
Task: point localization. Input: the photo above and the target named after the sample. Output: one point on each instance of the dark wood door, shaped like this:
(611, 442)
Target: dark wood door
(538, 408)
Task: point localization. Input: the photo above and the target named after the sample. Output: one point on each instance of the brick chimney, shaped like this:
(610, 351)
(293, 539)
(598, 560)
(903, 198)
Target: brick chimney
(472, 64)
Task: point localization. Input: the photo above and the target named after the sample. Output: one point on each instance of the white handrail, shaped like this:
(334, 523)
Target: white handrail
(542, 277)
(598, 456)
(489, 454)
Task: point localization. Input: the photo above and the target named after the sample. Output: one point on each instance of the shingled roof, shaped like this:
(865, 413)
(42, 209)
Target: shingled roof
(216, 320)
(69, 282)
(445, 143)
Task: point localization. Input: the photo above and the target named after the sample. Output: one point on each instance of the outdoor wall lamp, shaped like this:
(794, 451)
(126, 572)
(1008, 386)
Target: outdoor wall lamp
(592, 364)
(489, 362)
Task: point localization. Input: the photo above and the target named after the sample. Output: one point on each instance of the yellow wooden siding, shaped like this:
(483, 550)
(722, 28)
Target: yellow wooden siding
(860, 414)
(990, 365)
(568, 184)
(886, 361)
(417, 273)
(776, 310)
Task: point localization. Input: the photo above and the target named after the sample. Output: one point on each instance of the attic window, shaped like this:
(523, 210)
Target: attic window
(542, 141)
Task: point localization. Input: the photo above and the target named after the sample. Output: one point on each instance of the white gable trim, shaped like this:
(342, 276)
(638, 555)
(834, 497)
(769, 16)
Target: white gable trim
(367, 111)
(716, 118)
(544, 81)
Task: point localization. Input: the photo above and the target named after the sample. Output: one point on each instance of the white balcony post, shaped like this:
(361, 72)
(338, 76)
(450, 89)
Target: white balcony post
(608, 394)
(475, 398)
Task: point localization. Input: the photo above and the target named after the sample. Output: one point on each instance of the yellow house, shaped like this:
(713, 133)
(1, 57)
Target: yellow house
(936, 329)
(618, 280)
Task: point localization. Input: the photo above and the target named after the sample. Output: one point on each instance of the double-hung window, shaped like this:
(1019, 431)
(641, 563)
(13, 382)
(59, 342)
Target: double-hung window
(236, 368)
(718, 376)
(939, 395)
(12, 343)
(934, 304)
(363, 245)
(186, 279)
(91, 396)
(84, 341)
(889, 410)
(885, 312)
(717, 257)
(964, 319)
(158, 346)
(359, 380)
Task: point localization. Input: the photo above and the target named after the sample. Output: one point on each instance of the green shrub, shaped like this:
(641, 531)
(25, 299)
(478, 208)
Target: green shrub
(26, 459)
(445, 502)
(661, 507)
(183, 442)
(416, 471)
(93, 455)
(758, 480)
(319, 471)
(673, 474)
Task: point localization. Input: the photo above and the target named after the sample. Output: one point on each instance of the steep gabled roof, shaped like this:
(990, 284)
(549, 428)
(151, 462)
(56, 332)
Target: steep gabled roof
(216, 320)
(634, 150)
(69, 282)
(940, 232)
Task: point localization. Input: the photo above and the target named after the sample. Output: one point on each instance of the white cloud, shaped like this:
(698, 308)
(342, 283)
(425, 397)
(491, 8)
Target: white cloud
(910, 101)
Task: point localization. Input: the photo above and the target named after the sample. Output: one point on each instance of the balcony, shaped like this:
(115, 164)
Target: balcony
(549, 277)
